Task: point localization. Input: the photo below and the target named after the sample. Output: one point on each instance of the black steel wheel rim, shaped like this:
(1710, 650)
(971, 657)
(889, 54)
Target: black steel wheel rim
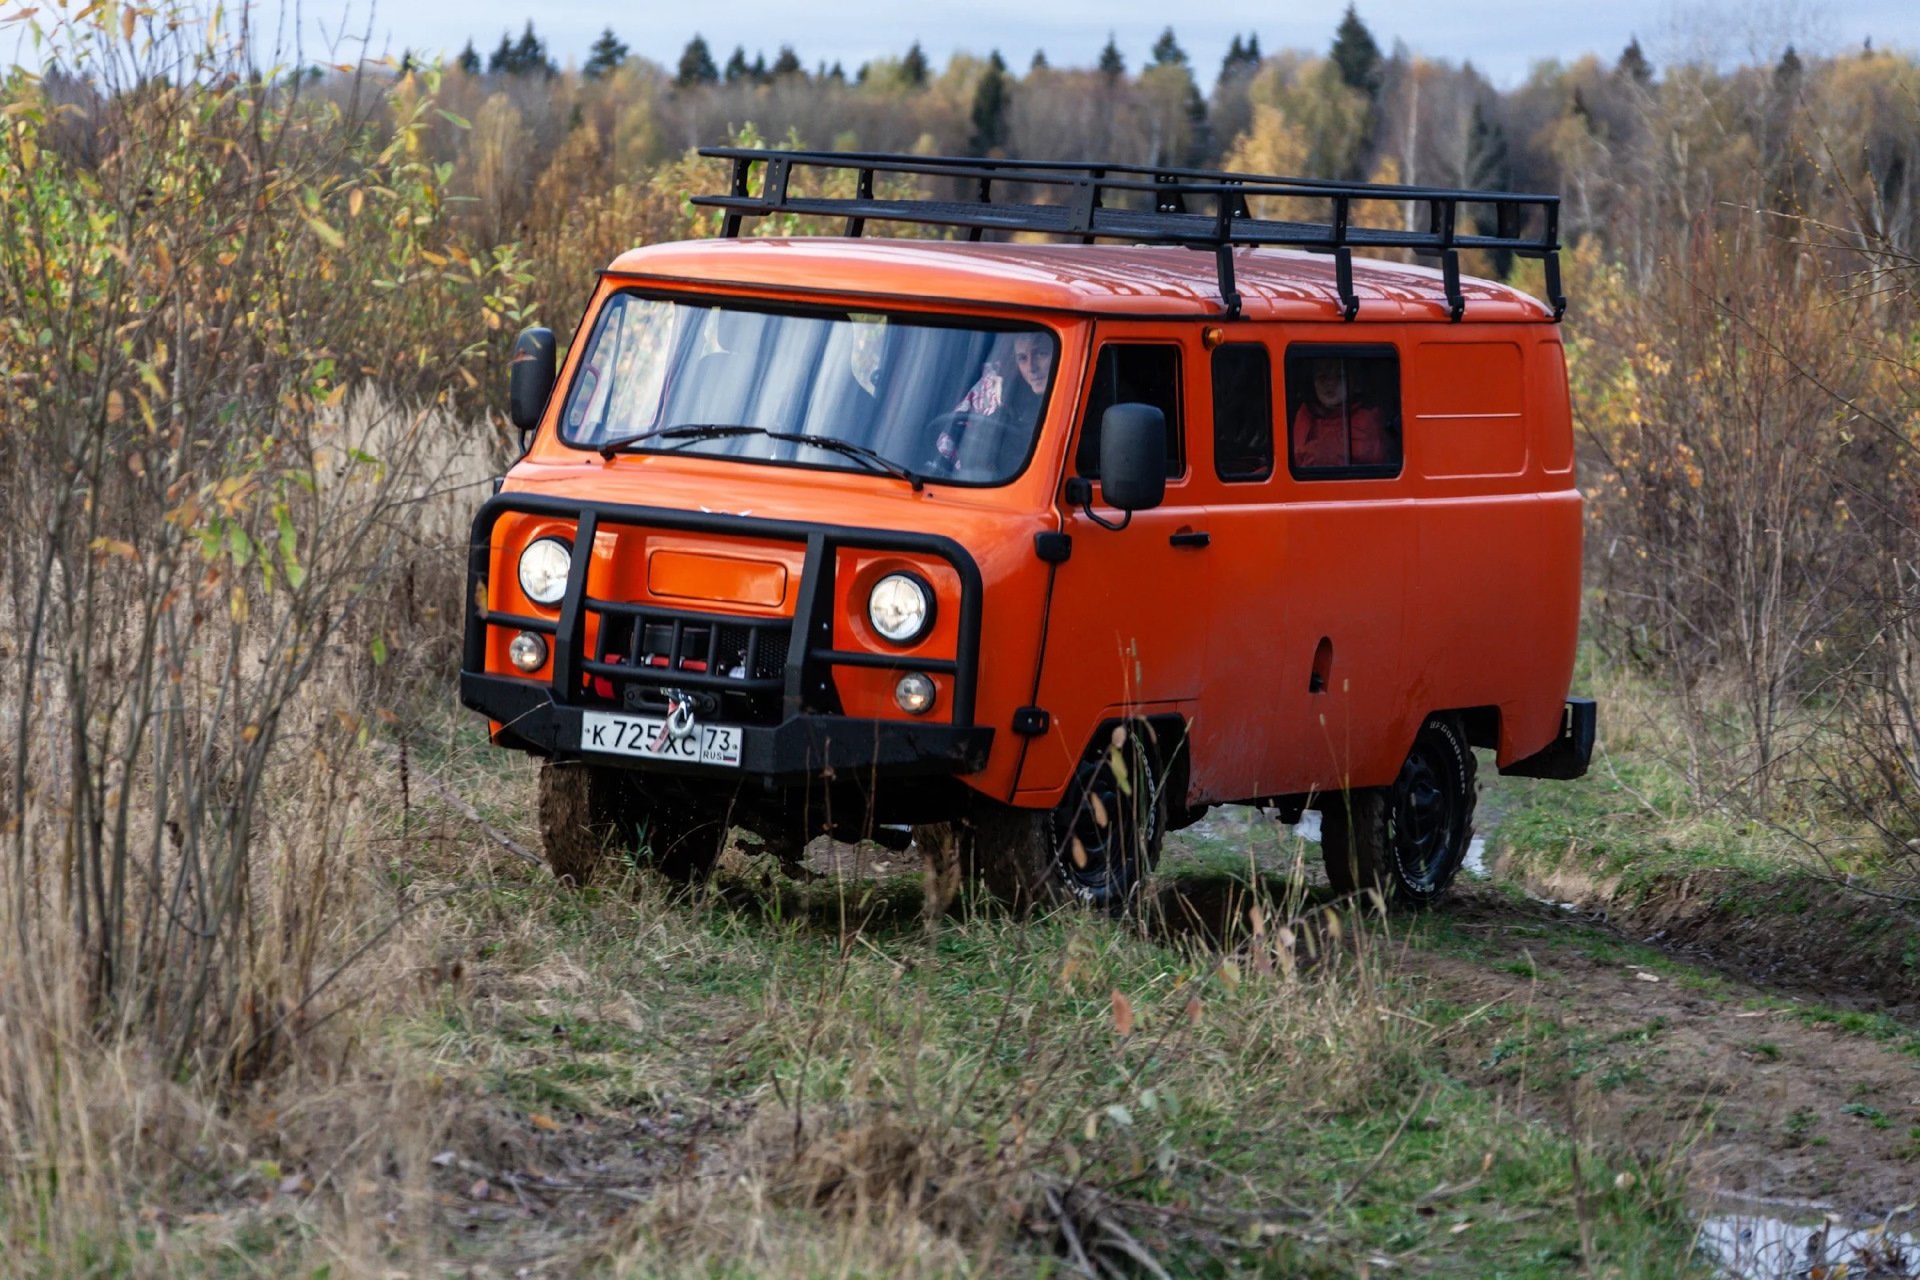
(1428, 816)
(1098, 833)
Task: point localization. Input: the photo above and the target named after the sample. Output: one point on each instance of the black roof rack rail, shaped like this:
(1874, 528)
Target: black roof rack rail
(1151, 204)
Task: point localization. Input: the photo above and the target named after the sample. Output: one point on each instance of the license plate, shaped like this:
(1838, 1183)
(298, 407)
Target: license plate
(646, 737)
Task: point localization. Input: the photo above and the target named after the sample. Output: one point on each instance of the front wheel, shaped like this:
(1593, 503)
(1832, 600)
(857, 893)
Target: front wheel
(592, 816)
(1093, 848)
(1406, 840)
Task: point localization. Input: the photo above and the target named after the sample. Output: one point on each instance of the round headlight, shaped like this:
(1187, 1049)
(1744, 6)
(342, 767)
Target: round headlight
(543, 570)
(901, 607)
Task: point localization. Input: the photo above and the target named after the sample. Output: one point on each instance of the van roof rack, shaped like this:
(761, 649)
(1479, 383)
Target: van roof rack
(1143, 204)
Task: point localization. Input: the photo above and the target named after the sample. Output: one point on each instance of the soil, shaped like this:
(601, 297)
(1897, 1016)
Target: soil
(1760, 1040)
(1798, 932)
(1764, 1103)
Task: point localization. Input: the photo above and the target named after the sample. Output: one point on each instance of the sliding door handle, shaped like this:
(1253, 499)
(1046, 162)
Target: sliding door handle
(1190, 538)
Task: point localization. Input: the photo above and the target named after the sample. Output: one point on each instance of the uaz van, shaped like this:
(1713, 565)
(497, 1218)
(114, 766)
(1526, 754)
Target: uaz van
(1040, 547)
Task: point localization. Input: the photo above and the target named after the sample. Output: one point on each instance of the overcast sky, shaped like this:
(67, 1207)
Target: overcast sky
(1501, 37)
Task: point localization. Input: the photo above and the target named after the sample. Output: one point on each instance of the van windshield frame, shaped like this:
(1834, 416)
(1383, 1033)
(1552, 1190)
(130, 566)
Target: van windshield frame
(941, 395)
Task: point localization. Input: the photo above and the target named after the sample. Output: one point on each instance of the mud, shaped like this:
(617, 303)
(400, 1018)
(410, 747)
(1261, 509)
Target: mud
(1657, 1062)
(1797, 933)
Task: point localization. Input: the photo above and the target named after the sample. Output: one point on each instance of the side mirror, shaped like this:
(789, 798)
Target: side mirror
(530, 378)
(1133, 457)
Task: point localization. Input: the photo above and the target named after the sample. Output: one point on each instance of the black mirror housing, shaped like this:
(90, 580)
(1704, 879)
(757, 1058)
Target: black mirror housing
(1133, 457)
(530, 377)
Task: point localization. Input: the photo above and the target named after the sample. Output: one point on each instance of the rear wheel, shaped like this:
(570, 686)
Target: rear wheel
(1406, 840)
(591, 815)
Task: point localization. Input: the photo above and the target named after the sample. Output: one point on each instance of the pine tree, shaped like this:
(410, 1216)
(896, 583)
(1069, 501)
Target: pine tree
(989, 113)
(1253, 49)
(1786, 76)
(696, 64)
(1167, 51)
(788, 64)
(1112, 65)
(501, 63)
(758, 72)
(1357, 54)
(914, 66)
(837, 73)
(530, 55)
(1633, 64)
(606, 55)
(737, 69)
(469, 60)
(1039, 62)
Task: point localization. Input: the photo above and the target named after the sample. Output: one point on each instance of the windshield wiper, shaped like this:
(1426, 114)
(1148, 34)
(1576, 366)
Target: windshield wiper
(858, 452)
(692, 432)
(686, 431)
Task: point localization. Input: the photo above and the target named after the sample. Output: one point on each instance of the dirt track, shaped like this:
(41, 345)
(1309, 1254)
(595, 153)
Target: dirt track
(1755, 1056)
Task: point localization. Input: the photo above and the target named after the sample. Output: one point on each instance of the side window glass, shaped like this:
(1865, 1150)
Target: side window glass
(1242, 411)
(1133, 373)
(1343, 411)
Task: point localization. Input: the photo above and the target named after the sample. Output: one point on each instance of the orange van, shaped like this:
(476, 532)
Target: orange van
(1040, 547)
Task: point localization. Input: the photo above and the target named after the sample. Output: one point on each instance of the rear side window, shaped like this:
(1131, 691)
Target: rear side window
(1242, 411)
(1133, 373)
(1343, 411)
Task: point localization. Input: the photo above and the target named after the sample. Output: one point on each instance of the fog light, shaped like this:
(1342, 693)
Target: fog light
(914, 693)
(527, 651)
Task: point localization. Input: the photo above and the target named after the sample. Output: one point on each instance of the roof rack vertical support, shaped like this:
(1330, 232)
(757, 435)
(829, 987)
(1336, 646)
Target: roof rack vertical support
(985, 192)
(1223, 253)
(862, 190)
(1446, 212)
(1343, 261)
(1556, 296)
(773, 187)
(730, 224)
(1172, 200)
(1086, 198)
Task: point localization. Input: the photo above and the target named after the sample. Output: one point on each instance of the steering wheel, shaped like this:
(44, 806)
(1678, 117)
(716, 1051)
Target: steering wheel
(953, 427)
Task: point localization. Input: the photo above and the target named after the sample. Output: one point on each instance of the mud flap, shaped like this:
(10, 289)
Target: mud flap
(1566, 757)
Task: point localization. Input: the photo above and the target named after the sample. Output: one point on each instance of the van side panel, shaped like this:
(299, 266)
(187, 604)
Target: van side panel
(1496, 577)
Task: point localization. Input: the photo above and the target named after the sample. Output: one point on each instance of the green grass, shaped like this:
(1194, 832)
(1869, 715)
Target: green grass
(1320, 1128)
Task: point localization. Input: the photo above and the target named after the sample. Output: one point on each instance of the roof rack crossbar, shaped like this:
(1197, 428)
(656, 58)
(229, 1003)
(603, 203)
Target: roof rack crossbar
(1155, 205)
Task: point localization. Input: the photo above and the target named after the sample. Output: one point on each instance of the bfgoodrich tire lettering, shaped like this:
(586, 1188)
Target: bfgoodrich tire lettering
(1406, 840)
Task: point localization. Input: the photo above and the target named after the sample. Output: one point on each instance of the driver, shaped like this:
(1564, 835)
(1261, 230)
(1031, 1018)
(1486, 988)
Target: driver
(1010, 403)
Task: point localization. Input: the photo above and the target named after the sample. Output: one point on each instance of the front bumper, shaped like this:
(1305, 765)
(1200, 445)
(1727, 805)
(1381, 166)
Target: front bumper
(811, 739)
(798, 750)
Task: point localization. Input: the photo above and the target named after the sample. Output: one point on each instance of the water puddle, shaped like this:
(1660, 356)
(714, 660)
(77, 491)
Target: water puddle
(1474, 864)
(1757, 1247)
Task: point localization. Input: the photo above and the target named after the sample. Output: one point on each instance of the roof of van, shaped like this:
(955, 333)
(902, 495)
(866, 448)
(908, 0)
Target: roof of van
(1133, 280)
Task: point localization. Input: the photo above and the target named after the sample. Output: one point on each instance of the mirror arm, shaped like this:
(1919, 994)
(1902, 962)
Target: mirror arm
(1080, 494)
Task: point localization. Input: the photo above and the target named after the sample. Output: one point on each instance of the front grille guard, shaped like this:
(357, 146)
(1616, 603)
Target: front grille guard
(805, 682)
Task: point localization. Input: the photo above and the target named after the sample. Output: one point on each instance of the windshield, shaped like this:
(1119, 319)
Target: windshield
(940, 399)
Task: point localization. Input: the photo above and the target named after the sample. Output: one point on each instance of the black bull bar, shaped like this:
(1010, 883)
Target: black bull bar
(810, 738)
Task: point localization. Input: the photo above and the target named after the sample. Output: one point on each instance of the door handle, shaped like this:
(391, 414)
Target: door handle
(1190, 538)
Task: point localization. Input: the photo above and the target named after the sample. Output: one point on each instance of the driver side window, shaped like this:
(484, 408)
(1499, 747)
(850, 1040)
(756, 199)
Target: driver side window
(1133, 373)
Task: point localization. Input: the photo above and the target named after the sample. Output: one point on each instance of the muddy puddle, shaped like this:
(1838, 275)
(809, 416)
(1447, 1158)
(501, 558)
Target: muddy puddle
(1751, 1246)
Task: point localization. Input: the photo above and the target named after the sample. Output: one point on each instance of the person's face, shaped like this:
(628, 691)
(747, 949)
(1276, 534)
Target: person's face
(1329, 385)
(1033, 356)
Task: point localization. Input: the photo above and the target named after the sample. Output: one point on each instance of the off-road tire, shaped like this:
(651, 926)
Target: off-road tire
(592, 816)
(1025, 858)
(1105, 835)
(1406, 840)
